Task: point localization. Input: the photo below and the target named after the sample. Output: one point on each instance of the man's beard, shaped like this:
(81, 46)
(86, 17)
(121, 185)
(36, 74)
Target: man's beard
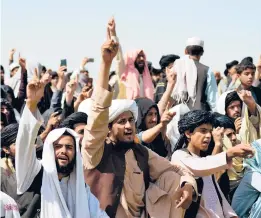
(65, 169)
(140, 69)
(124, 144)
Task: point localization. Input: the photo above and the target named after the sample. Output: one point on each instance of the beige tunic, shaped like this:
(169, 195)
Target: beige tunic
(133, 193)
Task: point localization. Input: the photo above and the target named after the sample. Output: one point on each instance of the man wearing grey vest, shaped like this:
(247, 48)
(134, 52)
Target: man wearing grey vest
(196, 84)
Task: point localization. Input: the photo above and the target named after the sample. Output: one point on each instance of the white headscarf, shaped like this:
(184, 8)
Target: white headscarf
(118, 106)
(14, 82)
(220, 108)
(186, 80)
(80, 199)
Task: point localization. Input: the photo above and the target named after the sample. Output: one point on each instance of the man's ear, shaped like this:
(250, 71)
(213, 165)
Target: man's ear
(188, 134)
(6, 149)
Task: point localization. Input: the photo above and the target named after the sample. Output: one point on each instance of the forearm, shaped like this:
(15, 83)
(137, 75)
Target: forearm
(149, 135)
(26, 164)
(120, 64)
(56, 99)
(252, 108)
(69, 98)
(96, 129)
(44, 134)
(205, 166)
(22, 89)
(165, 98)
(103, 79)
(217, 149)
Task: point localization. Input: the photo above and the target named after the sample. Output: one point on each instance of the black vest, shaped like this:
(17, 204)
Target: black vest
(112, 165)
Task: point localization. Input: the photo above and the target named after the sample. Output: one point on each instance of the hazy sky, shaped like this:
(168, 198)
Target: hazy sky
(50, 30)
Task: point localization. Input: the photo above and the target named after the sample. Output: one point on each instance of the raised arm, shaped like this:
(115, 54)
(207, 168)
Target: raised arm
(149, 135)
(165, 99)
(22, 89)
(26, 164)
(209, 165)
(111, 34)
(96, 129)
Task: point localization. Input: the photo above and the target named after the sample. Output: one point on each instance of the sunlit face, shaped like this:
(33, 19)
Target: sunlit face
(151, 118)
(232, 70)
(14, 71)
(54, 81)
(79, 128)
(140, 60)
(200, 137)
(5, 110)
(123, 128)
(234, 109)
(10, 150)
(64, 150)
(247, 77)
(217, 76)
(231, 134)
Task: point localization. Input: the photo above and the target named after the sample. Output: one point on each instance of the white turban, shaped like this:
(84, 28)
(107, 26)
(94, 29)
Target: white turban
(81, 202)
(117, 107)
(220, 108)
(120, 106)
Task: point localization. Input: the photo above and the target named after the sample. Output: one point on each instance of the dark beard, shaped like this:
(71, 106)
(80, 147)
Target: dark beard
(140, 69)
(121, 145)
(65, 170)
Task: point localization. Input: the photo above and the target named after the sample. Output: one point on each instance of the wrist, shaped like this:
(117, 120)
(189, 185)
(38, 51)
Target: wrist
(230, 155)
(219, 144)
(31, 104)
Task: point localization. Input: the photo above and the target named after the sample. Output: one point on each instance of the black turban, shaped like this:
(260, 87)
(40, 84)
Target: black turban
(166, 60)
(9, 134)
(246, 61)
(190, 121)
(232, 96)
(229, 66)
(225, 122)
(75, 118)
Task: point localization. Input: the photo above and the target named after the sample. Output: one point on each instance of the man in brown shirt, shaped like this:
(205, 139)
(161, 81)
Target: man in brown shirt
(128, 179)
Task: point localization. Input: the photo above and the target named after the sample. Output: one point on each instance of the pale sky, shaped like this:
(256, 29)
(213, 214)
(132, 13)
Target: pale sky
(50, 30)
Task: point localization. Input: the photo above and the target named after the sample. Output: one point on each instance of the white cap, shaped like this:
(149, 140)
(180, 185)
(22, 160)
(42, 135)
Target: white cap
(13, 66)
(195, 41)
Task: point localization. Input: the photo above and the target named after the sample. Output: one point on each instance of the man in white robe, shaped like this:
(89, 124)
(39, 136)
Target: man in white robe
(60, 173)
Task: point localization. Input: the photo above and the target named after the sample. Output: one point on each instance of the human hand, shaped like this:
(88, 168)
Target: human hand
(22, 63)
(109, 50)
(171, 76)
(167, 116)
(218, 134)
(35, 90)
(238, 123)
(184, 196)
(246, 97)
(112, 27)
(11, 53)
(53, 121)
(240, 150)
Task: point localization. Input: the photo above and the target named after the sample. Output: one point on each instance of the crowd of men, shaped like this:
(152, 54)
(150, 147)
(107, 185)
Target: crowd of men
(180, 141)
